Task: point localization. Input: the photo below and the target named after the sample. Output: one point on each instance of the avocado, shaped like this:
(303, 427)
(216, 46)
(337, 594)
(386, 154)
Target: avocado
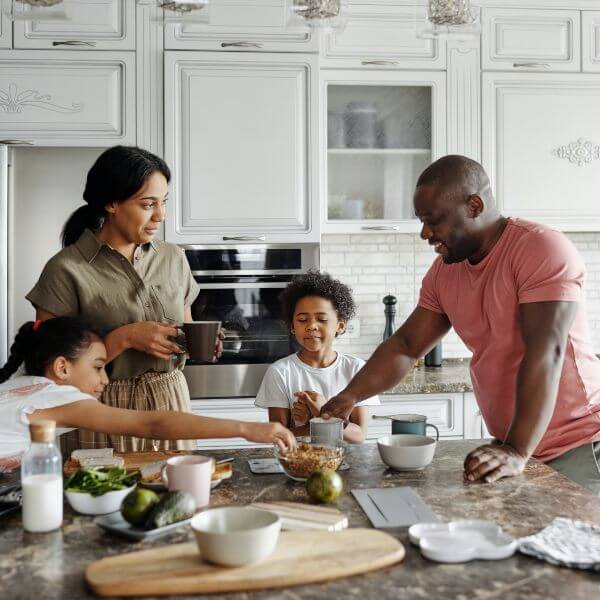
(171, 508)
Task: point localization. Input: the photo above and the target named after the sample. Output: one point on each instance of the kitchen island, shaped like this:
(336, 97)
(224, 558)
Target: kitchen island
(51, 566)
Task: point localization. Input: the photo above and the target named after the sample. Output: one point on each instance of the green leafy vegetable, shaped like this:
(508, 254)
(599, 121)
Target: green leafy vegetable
(99, 481)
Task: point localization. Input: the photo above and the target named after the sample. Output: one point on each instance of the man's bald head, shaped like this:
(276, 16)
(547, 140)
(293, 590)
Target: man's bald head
(459, 176)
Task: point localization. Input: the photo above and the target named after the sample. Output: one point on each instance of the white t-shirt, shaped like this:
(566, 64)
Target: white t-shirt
(289, 375)
(21, 396)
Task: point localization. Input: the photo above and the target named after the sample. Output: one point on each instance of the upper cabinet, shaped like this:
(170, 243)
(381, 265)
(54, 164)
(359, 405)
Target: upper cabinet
(541, 146)
(530, 40)
(590, 41)
(242, 25)
(74, 99)
(382, 36)
(91, 24)
(240, 136)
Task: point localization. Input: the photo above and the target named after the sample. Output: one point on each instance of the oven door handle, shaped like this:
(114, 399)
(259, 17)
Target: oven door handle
(232, 286)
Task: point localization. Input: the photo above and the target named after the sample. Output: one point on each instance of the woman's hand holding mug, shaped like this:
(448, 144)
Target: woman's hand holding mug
(153, 338)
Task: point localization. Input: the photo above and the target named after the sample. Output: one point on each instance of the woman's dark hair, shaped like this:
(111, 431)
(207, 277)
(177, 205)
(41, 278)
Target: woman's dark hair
(117, 174)
(62, 336)
(315, 283)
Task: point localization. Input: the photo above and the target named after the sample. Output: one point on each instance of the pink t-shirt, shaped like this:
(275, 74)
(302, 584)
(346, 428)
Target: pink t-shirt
(529, 263)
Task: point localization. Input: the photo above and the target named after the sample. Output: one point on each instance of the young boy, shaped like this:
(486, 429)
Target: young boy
(316, 308)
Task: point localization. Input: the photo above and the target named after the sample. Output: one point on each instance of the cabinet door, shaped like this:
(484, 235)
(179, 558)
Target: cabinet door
(241, 140)
(5, 25)
(541, 146)
(241, 25)
(590, 42)
(445, 411)
(382, 37)
(378, 131)
(99, 24)
(530, 40)
(81, 99)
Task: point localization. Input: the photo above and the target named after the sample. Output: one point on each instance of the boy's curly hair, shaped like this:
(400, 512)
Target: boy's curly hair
(315, 283)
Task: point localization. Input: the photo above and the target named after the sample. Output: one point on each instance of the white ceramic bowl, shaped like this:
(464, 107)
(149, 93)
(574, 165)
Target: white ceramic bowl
(236, 536)
(406, 452)
(97, 505)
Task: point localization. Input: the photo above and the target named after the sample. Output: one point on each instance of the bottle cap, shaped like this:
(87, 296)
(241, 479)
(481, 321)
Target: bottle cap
(42, 431)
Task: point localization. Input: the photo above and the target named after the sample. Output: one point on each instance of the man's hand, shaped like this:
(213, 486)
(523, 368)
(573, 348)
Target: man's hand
(339, 406)
(492, 462)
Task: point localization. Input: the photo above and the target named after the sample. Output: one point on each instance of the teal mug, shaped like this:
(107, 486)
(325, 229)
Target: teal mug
(415, 424)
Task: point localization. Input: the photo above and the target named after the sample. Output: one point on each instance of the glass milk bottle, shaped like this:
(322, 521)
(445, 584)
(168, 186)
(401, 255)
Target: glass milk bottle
(41, 480)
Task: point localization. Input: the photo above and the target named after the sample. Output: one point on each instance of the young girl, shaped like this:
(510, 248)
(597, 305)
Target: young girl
(316, 308)
(64, 362)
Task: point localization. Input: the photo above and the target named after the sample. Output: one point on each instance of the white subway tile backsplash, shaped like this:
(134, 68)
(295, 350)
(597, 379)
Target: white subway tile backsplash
(375, 265)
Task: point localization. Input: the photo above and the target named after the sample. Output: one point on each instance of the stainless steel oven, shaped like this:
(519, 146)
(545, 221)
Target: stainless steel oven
(240, 286)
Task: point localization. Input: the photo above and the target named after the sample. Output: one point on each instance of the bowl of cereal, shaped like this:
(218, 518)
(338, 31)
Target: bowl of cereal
(301, 463)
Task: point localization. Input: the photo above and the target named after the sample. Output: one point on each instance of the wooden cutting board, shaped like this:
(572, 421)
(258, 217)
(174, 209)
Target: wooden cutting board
(301, 557)
(133, 460)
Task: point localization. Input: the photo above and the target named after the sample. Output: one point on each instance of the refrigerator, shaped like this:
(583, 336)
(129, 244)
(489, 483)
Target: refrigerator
(39, 188)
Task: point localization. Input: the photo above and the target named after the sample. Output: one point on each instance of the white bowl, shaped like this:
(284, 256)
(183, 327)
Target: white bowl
(236, 536)
(87, 504)
(406, 452)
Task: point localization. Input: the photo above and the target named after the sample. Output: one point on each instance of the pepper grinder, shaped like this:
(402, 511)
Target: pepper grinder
(390, 316)
(434, 357)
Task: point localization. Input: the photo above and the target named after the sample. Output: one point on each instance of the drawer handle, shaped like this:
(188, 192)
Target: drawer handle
(16, 143)
(240, 45)
(73, 43)
(531, 65)
(244, 238)
(381, 63)
(381, 227)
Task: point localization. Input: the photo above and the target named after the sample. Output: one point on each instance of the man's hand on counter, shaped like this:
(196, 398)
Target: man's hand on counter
(492, 462)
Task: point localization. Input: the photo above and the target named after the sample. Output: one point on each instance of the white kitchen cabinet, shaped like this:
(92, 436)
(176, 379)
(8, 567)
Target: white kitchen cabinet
(541, 146)
(79, 99)
(530, 40)
(242, 25)
(91, 24)
(240, 409)
(474, 425)
(5, 25)
(590, 40)
(241, 138)
(382, 36)
(379, 130)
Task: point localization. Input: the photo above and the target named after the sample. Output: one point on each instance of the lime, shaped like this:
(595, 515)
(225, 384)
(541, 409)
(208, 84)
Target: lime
(324, 486)
(137, 504)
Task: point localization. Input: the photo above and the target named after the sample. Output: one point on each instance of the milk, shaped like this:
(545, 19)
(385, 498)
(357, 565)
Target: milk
(42, 502)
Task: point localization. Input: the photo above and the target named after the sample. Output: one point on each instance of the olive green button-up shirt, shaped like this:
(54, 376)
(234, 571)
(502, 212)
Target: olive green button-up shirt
(91, 280)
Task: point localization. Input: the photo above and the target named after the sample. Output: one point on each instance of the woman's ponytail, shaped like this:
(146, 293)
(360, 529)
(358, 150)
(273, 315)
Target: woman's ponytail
(24, 340)
(83, 218)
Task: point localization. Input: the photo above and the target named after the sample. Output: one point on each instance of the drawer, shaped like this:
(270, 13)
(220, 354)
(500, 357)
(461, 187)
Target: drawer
(96, 24)
(590, 40)
(74, 98)
(382, 37)
(443, 411)
(530, 40)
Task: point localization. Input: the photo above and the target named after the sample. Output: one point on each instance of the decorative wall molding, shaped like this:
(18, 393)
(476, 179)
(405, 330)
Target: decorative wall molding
(579, 153)
(12, 101)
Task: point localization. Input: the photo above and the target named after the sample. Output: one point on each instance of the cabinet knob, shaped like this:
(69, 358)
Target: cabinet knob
(381, 227)
(240, 45)
(244, 238)
(380, 63)
(531, 65)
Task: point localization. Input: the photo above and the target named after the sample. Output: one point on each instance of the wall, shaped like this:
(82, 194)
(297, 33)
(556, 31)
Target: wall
(381, 264)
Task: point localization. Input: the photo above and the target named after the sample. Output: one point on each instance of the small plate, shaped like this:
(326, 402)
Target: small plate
(461, 541)
(161, 487)
(115, 523)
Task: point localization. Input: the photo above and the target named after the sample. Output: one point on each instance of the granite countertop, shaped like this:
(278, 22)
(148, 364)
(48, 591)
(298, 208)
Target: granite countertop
(55, 562)
(452, 377)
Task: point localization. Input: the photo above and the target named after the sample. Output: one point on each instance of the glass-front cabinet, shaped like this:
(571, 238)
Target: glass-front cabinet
(378, 132)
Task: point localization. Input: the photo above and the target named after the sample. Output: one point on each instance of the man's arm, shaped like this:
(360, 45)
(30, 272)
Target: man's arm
(391, 361)
(544, 327)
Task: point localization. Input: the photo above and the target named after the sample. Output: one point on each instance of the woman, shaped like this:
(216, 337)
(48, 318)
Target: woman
(134, 289)
(64, 362)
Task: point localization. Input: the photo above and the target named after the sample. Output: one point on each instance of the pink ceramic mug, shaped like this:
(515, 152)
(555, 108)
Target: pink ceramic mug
(190, 473)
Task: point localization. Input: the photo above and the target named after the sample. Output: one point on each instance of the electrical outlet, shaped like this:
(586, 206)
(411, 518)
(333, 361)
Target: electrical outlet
(352, 328)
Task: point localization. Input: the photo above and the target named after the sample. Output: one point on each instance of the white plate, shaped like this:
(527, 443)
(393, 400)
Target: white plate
(461, 541)
(115, 523)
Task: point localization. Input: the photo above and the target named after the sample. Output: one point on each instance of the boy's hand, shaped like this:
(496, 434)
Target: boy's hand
(307, 406)
(300, 414)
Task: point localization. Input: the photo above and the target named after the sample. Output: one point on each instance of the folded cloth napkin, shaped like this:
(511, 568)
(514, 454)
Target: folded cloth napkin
(567, 543)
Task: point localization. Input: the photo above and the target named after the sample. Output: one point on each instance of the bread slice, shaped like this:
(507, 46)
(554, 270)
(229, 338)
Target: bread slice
(222, 471)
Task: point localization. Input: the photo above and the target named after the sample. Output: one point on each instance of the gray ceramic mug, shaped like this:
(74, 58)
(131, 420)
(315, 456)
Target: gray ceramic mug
(415, 424)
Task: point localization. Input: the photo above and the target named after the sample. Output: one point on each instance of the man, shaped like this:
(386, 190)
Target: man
(512, 290)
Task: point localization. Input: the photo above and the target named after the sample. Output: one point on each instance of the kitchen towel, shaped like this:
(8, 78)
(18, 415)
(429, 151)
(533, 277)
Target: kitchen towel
(394, 507)
(567, 543)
